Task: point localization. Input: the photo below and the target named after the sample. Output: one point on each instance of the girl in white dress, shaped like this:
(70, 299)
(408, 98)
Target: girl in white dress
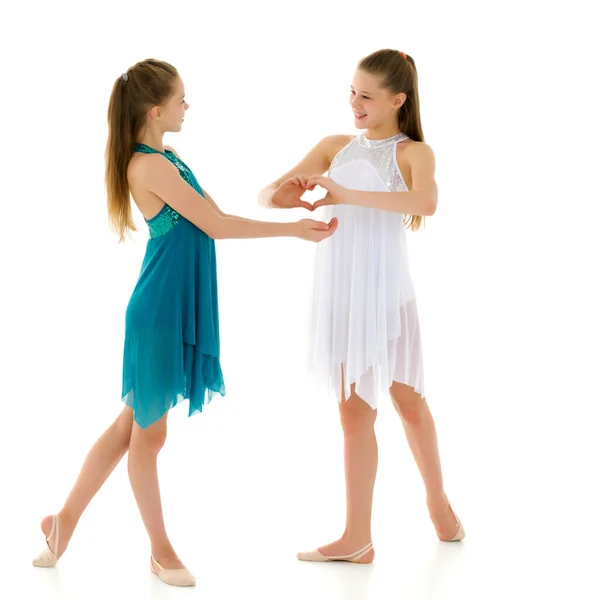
(366, 338)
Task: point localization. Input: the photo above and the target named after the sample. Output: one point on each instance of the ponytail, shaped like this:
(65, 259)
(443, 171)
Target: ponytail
(119, 148)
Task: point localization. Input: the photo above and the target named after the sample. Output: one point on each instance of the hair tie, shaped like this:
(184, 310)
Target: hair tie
(125, 76)
(402, 53)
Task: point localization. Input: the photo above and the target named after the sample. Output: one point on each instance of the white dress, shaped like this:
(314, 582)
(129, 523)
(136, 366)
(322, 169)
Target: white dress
(365, 321)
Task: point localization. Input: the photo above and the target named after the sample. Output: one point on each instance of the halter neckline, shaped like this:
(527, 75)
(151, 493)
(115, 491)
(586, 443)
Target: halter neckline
(365, 142)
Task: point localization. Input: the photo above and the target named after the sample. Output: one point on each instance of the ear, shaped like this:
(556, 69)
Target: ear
(154, 112)
(399, 100)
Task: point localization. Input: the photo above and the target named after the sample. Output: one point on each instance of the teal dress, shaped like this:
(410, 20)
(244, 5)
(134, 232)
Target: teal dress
(171, 348)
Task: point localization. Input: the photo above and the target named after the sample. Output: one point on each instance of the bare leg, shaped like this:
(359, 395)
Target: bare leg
(422, 438)
(100, 462)
(142, 465)
(360, 461)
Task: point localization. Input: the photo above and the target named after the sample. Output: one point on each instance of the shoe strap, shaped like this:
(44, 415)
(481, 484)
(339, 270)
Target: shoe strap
(355, 555)
(56, 532)
(457, 520)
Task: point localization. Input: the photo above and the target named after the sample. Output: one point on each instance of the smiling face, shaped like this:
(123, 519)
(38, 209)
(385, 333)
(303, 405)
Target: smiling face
(373, 105)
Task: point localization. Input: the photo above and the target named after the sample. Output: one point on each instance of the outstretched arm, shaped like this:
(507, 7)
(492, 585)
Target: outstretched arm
(160, 177)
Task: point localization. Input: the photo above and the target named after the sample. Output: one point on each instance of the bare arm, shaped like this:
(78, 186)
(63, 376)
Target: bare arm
(420, 200)
(161, 178)
(206, 194)
(286, 191)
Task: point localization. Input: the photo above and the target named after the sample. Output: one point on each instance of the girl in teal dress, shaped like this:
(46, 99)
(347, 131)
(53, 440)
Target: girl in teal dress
(172, 345)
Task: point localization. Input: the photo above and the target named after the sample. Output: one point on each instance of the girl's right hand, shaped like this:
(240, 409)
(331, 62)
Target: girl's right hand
(314, 231)
(289, 194)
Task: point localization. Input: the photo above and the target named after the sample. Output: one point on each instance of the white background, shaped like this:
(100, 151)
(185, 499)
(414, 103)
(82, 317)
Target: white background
(506, 274)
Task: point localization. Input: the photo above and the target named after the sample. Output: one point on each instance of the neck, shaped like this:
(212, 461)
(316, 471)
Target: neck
(382, 132)
(154, 139)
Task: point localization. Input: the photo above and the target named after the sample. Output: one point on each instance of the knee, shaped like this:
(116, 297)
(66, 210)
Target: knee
(356, 416)
(151, 439)
(408, 404)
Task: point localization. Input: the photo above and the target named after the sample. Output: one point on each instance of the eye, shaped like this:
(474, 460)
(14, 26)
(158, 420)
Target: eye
(366, 97)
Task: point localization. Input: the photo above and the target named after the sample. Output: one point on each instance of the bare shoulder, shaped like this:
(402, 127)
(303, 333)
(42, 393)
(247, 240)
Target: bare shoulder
(332, 144)
(141, 165)
(415, 153)
(146, 167)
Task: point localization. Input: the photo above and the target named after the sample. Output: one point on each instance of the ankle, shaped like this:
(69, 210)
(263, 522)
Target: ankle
(358, 538)
(163, 550)
(67, 519)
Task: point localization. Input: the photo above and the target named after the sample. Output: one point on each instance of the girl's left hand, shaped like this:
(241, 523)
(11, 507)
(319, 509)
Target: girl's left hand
(335, 192)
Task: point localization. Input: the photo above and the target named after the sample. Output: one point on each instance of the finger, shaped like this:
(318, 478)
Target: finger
(306, 205)
(323, 227)
(312, 186)
(293, 181)
(320, 226)
(302, 179)
(322, 202)
(317, 180)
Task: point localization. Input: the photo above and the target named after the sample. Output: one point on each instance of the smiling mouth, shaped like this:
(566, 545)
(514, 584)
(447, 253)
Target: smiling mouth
(359, 115)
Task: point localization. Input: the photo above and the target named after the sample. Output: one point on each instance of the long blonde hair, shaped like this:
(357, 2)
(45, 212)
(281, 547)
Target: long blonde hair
(148, 83)
(400, 76)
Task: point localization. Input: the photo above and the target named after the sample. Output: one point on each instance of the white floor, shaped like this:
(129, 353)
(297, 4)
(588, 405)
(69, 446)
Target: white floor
(247, 484)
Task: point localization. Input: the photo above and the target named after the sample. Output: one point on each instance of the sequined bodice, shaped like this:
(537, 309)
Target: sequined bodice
(167, 218)
(381, 154)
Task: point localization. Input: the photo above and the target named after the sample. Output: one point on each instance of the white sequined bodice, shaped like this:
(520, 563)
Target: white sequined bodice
(380, 154)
